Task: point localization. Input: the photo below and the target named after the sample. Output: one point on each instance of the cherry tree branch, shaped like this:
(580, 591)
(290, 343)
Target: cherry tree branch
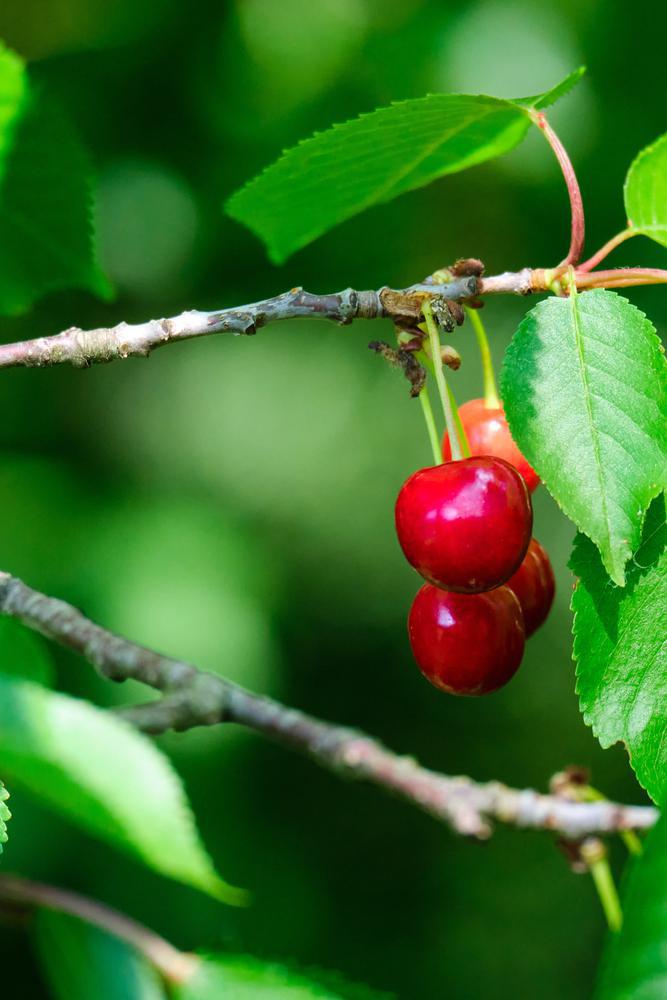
(174, 966)
(192, 697)
(83, 348)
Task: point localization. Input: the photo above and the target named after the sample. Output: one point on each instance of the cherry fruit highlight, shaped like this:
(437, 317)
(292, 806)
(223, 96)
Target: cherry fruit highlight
(465, 526)
(466, 644)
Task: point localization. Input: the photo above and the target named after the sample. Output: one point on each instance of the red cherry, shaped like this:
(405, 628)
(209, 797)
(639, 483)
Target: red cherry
(488, 433)
(465, 525)
(466, 643)
(535, 586)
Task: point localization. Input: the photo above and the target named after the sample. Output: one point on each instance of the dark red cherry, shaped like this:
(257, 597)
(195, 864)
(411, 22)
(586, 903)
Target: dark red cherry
(465, 525)
(535, 586)
(466, 643)
(488, 433)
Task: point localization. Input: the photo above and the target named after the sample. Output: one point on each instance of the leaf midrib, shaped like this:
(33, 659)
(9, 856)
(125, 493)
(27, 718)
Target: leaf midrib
(578, 336)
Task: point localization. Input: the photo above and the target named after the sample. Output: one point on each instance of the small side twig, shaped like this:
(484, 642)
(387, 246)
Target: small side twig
(174, 966)
(193, 698)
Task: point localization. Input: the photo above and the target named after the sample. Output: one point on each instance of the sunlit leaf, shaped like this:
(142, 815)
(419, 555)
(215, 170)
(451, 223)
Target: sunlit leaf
(646, 192)
(634, 966)
(245, 978)
(585, 394)
(106, 777)
(620, 645)
(370, 160)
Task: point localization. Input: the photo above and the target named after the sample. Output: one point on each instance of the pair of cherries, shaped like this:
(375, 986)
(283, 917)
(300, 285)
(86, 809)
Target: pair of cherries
(466, 527)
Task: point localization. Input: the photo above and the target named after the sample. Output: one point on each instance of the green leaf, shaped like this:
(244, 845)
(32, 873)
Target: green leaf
(551, 96)
(106, 777)
(24, 654)
(245, 978)
(634, 966)
(80, 961)
(645, 192)
(584, 389)
(45, 197)
(619, 647)
(13, 91)
(5, 815)
(368, 161)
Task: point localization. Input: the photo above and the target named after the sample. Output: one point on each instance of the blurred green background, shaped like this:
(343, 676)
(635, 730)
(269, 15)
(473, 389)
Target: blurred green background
(231, 500)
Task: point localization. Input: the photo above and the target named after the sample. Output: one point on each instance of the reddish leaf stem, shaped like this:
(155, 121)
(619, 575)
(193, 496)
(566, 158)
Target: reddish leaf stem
(605, 250)
(622, 277)
(576, 203)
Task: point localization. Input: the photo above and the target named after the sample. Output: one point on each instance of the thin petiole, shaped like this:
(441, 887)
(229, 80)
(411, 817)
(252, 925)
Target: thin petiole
(447, 409)
(429, 420)
(605, 250)
(491, 398)
(576, 203)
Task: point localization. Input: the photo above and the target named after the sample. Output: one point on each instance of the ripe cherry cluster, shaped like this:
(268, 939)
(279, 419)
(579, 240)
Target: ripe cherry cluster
(466, 527)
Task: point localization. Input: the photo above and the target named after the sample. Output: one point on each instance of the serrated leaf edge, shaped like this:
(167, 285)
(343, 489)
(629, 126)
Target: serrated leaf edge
(646, 151)
(659, 487)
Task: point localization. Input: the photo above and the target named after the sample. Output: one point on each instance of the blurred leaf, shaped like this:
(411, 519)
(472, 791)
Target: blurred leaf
(5, 815)
(183, 575)
(80, 961)
(634, 966)
(107, 778)
(245, 978)
(645, 192)
(372, 159)
(13, 90)
(321, 38)
(45, 198)
(584, 390)
(24, 654)
(619, 646)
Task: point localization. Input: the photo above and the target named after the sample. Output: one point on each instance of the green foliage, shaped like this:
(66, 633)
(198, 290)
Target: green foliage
(584, 390)
(24, 654)
(5, 815)
(106, 777)
(80, 961)
(635, 961)
(646, 192)
(247, 978)
(45, 197)
(550, 97)
(619, 646)
(370, 160)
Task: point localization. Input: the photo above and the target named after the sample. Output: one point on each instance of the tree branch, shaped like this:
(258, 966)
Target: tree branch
(192, 697)
(83, 348)
(173, 965)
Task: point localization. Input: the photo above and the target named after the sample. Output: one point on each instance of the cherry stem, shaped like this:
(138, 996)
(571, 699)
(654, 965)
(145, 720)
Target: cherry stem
(576, 203)
(429, 420)
(463, 437)
(491, 398)
(436, 357)
(606, 890)
(605, 250)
